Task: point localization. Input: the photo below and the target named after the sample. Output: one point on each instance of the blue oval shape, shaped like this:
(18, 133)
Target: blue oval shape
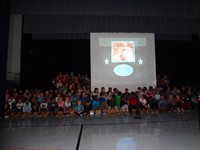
(126, 143)
(123, 70)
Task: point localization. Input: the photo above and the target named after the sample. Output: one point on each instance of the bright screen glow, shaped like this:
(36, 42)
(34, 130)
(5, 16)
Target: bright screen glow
(122, 60)
(122, 51)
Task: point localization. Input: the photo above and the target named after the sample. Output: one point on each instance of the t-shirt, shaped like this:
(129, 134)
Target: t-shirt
(118, 100)
(43, 105)
(102, 100)
(133, 101)
(95, 103)
(79, 108)
(143, 101)
(67, 103)
(40, 99)
(83, 99)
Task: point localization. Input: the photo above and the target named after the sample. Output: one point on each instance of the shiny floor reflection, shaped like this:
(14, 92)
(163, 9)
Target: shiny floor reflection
(48, 138)
(180, 135)
(166, 131)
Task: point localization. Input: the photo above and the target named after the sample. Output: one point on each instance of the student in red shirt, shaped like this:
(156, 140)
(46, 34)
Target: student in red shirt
(133, 102)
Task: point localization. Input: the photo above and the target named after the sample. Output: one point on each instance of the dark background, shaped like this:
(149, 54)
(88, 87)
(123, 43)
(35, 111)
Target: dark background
(42, 60)
(175, 24)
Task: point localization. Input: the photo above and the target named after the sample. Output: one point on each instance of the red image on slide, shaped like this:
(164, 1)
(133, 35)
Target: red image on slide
(122, 51)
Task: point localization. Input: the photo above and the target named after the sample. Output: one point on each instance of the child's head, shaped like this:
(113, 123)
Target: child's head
(79, 102)
(60, 99)
(66, 98)
(19, 100)
(26, 101)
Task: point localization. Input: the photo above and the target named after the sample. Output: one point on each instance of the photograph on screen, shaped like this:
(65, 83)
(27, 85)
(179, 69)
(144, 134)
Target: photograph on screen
(122, 51)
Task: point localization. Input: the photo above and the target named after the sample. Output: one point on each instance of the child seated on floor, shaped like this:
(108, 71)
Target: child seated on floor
(61, 105)
(112, 104)
(53, 107)
(194, 102)
(171, 103)
(133, 102)
(79, 109)
(163, 104)
(153, 104)
(67, 106)
(43, 106)
(102, 101)
(88, 105)
(179, 103)
(186, 103)
(95, 104)
(10, 105)
(124, 105)
(35, 106)
(27, 109)
(143, 102)
(118, 99)
(19, 105)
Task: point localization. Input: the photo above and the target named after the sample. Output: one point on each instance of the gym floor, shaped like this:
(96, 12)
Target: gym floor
(164, 131)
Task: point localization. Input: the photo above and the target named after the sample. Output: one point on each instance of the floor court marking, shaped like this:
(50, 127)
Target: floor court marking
(79, 138)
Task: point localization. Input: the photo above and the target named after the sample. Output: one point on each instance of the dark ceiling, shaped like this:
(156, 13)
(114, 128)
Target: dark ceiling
(75, 19)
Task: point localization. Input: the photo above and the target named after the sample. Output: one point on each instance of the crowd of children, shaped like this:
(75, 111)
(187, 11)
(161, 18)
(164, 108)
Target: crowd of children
(72, 94)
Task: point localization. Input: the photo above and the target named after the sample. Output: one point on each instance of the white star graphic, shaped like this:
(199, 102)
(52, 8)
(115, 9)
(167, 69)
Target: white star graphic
(106, 61)
(140, 61)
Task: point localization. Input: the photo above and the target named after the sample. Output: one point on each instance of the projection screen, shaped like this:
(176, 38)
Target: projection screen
(122, 60)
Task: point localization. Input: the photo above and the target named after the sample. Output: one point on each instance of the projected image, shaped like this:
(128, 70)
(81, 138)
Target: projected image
(122, 51)
(122, 60)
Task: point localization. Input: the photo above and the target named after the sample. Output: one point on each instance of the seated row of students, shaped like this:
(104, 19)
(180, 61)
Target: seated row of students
(121, 104)
(102, 100)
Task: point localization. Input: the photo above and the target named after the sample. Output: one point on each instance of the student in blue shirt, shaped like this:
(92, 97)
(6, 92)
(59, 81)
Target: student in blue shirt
(102, 101)
(95, 103)
(79, 108)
